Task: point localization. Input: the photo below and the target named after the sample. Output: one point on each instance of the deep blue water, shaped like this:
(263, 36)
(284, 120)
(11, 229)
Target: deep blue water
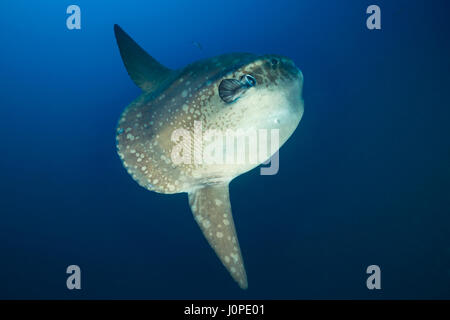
(365, 179)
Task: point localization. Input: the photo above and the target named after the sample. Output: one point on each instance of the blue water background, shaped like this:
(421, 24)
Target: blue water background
(365, 179)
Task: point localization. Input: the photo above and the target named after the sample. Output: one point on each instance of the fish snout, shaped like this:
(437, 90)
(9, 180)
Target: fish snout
(289, 66)
(285, 64)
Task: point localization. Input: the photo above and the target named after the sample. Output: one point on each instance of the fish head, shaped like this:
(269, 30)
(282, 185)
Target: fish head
(261, 92)
(265, 93)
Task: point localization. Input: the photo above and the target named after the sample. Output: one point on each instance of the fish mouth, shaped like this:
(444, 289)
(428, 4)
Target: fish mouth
(276, 61)
(283, 66)
(290, 67)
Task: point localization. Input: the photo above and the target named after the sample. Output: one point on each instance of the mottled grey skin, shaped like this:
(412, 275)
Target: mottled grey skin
(146, 126)
(178, 98)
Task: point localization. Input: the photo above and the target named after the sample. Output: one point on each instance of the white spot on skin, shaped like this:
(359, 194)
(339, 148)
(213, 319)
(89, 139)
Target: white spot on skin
(218, 202)
(219, 235)
(206, 224)
(226, 222)
(227, 259)
(184, 93)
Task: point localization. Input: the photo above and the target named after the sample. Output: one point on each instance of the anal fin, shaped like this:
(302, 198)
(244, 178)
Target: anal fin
(211, 208)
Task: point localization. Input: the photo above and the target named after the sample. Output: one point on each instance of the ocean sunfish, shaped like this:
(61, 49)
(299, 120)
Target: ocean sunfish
(227, 93)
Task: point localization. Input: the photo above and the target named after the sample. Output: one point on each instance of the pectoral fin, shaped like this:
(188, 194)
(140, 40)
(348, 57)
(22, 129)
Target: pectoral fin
(230, 90)
(212, 210)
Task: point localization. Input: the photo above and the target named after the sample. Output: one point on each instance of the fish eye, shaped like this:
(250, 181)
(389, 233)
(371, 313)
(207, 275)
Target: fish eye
(248, 80)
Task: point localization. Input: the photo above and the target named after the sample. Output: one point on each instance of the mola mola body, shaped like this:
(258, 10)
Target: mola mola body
(228, 93)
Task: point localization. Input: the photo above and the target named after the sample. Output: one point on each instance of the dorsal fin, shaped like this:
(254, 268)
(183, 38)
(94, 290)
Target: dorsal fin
(147, 73)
